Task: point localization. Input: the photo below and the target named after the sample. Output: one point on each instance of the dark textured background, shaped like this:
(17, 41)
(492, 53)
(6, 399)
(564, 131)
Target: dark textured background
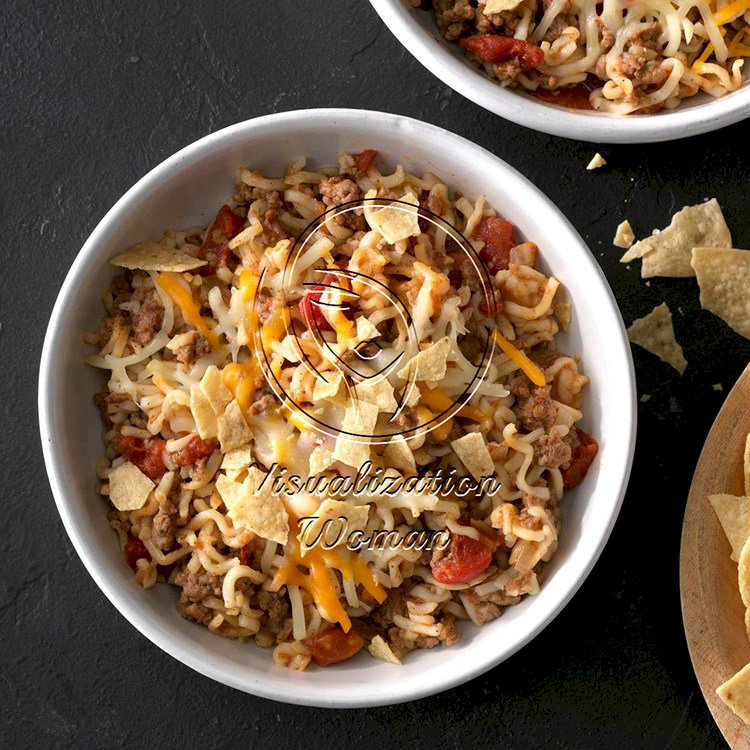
(95, 93)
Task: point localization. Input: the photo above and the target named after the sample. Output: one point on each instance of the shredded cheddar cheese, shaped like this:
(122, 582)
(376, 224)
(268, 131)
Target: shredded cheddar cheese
(188, 307)
(535, 375)
(242, 380)
(439, 400)
(318, 580)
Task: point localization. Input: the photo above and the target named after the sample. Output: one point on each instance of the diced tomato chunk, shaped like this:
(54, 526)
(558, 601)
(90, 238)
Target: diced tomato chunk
(214, 248)
(491, 48)
(135, 550)
(312, 314)
(363, 160)
(465, 559)
(583, 454)
(497, 235)
(195, 449)
(148, 456)
(334, 645)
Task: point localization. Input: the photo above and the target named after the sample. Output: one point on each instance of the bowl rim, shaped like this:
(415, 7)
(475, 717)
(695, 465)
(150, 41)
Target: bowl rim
(553, 119)
(285, 690)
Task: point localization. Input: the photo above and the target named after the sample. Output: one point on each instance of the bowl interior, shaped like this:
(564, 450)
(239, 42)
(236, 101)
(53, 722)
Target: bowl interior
(417, 31)
(185, 191)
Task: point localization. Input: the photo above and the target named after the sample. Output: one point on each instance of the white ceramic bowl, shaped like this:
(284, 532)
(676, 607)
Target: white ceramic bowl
(186, 190)
(417, 31)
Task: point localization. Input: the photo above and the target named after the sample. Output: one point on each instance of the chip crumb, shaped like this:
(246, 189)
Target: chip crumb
(624, 236)
(645, 398)
(655, 333)
(381, 650)
(596, 162)
(717, 387)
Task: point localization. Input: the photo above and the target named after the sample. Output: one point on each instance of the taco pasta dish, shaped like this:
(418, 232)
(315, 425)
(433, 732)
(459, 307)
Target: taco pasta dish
(613, 56)
(339, 324)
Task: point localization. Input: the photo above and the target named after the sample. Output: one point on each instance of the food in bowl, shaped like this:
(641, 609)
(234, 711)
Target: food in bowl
(612, 57)
(336, 325)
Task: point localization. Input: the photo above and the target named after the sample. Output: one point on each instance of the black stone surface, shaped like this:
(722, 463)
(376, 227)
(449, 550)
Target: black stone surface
(93, 94)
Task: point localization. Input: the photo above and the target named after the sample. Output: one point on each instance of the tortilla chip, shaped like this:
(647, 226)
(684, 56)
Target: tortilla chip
(150, 256)
(355, 517)
(366, 330)
(203, 413)
(398, 455)
(323, 390)
(724, 280)
(379, 393)
(473, 452)
(232, 429)
(734, 516)
(397, 221)
(253, 506)
(624, 236)
(381, 650)
(735, 692)
(129, 487)
(747, 465)
(237, 460)
(216, 392)
(743, 573)
(360, 418)
(430, 364)
(668, 252)
(655, 333)
(597, 161)
(320, 459)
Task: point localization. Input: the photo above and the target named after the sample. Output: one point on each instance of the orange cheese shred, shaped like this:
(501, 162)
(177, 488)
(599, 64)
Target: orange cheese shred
(188, 307)
(535, 375)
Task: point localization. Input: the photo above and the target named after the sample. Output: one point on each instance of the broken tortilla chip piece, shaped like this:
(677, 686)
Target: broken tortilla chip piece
(129, 487)
(735, 692)
(252, 505)
(668, 252)
(203, 413)
(381, 650)
(624, 236)
(724, 281)
(399, 455)
(216, 392)
(237, 460)
(596, 162)
(353, 517)
(320, 459)
(378, 392)
(430, 364)
(150, 256)
(397, 221)
(473, 452)
(232, 429)
(359, 421)
(329, 387)
(734, 517)
(743, 573)
(655, 333)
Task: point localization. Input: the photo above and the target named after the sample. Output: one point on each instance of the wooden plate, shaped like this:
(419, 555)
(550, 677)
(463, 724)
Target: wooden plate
(712, 610)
